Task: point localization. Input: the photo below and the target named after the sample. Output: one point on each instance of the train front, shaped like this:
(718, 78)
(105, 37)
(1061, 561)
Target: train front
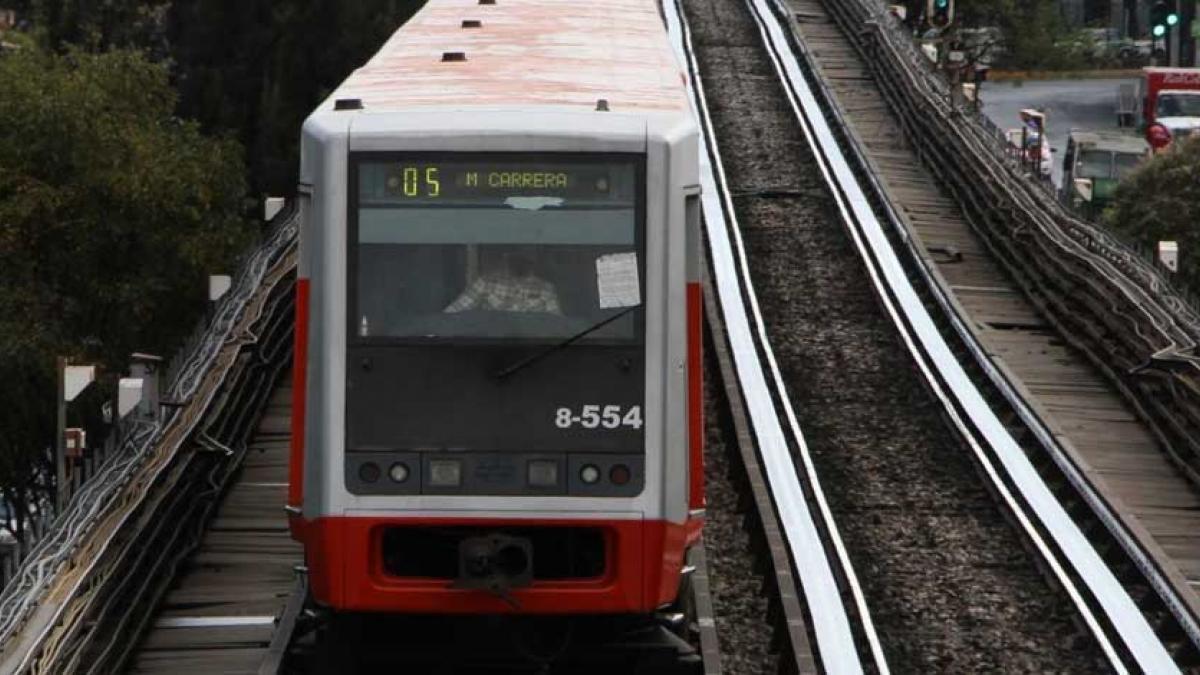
(499, 397)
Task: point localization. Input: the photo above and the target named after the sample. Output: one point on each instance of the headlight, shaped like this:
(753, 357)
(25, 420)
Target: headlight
(398, 472)
(589, 474)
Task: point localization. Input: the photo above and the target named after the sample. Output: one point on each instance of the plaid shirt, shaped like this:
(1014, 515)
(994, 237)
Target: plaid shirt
(507, 293)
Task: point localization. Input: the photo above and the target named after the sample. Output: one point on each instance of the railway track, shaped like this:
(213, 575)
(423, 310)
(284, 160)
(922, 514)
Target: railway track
(1060, 547)
(1113, 440)
(739, 51)
(232, 604)
(1099, 460)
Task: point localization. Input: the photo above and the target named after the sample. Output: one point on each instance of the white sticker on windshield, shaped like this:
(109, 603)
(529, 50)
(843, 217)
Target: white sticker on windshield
(617, 280)
(533, 203)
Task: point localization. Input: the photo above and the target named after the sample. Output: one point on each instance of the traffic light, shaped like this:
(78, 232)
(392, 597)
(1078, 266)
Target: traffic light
(1163, 17)
(940, 13)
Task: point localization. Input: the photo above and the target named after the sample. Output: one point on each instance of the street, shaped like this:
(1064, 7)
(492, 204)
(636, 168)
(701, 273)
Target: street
(1068, 104)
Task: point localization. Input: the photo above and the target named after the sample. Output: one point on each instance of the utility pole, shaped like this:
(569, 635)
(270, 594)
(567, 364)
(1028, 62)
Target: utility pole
(60, 436)
(1189, 32)
(71, 380)
(1175, 34)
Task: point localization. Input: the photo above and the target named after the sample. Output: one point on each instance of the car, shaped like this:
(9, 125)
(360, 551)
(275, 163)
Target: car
(1094, 163)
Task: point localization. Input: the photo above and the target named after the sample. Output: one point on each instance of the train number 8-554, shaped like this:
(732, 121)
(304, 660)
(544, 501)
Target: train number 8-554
(599, 416)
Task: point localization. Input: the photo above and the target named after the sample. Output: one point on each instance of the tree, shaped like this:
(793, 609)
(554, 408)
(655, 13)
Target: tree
(1161, 202)
(100, 26)
(26, 411)
(1035, 34)
(253, 68)
(259, 67)
(112, 213)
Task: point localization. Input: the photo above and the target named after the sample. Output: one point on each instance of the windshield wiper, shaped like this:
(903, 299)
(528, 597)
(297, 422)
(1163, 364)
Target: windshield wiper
(534, 358)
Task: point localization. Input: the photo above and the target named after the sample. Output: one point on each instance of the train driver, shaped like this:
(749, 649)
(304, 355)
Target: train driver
(507, 283)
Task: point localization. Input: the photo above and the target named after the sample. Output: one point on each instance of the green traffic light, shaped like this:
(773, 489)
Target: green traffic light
(1160, 30)
(942, 4)
(1172, 19)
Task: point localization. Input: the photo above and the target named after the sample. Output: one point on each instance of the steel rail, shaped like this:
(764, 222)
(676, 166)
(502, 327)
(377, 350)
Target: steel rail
(71, 549)
(706, 625)
(1062, 545)
(784, 610)
(285, 626)
(1169, 587)
(816, 549)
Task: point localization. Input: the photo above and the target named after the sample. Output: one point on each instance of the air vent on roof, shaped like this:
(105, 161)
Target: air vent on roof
(348, 104)
(454, 56)
(472, 23)
(487, 2)
(601, 105)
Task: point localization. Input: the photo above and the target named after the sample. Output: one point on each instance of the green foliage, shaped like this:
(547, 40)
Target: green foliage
(112, 209)
(112, 213)
(253, 68)
(1035, 34)
(258, 68)
(26, 407)
(100, 26)
(1161, 202)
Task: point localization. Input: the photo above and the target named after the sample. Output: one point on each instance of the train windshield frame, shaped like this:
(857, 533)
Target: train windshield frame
(496, 248)
(438, 360)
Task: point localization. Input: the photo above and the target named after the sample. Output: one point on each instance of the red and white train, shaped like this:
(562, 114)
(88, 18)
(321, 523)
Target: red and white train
(497, 361)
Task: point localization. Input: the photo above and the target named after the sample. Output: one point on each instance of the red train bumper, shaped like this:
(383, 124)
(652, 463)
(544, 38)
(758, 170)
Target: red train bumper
(346, 569)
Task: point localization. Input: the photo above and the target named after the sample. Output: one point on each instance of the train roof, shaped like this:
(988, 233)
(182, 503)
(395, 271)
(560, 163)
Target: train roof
(524, 54)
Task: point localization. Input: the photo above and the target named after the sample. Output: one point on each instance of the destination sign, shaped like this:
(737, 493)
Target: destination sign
(461, 181)
(435, 180)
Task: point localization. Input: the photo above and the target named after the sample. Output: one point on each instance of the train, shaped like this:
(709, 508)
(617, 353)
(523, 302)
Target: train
(497, 398)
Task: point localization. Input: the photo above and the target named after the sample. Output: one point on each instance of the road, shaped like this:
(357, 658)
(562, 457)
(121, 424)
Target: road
(1069, 104)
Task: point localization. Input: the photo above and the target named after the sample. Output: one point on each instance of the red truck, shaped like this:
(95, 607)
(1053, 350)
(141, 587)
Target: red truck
(1170, 104)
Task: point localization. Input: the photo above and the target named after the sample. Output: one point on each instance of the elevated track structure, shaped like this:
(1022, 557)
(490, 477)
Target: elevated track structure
(1015, 445)
(80, 598)
(1114, 408)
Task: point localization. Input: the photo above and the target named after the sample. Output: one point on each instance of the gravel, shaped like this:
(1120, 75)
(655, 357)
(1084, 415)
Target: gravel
(947, 579)
(735, 584)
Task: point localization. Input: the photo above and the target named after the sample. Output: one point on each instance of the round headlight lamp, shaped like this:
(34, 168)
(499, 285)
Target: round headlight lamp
(589, 474)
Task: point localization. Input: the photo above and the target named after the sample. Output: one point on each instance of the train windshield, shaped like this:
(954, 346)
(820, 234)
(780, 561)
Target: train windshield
(496, 305)
(497, 248)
